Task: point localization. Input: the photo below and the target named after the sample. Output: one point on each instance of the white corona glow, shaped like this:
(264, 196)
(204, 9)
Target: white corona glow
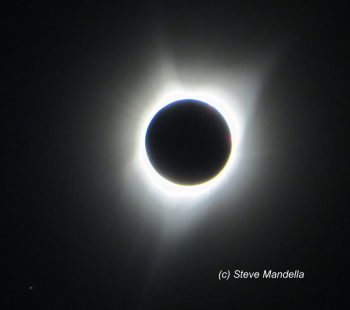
(225, 106)
(232, 92)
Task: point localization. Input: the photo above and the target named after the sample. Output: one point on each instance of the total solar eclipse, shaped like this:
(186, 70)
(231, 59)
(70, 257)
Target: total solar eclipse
(188, 142)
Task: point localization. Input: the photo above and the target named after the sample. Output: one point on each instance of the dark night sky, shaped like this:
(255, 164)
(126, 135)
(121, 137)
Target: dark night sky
(73, 240)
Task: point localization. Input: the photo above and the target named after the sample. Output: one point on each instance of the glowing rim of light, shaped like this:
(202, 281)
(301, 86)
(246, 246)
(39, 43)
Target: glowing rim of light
(161, 183)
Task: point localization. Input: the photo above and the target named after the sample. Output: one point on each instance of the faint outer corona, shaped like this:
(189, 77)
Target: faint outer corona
(188, 142)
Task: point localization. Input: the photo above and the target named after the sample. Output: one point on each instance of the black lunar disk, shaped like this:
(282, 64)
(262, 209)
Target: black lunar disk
(188, 142)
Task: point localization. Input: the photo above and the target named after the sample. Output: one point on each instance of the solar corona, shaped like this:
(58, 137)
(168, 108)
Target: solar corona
(187, 145)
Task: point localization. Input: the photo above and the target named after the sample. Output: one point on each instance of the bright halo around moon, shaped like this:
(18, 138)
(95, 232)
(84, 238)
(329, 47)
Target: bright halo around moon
(232, 92)
(160, 184)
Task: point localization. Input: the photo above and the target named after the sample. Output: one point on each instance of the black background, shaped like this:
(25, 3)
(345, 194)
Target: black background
(70, 242)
